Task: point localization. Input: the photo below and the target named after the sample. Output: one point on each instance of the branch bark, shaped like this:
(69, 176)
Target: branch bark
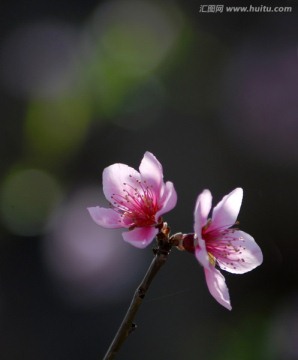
(128, 326)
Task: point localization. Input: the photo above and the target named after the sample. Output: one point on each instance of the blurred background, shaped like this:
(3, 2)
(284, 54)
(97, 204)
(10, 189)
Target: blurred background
(85, 84)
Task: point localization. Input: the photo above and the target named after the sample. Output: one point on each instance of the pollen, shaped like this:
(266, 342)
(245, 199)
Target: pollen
(212, 259)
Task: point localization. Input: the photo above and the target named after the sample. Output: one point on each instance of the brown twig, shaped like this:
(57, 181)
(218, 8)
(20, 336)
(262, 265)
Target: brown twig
(128, 326)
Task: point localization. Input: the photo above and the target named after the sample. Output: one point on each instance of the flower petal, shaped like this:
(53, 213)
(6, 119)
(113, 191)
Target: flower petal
(115, 176)
(202, 209)
(217, 286)
(226, 211)
(151, 171)
(140, 237)
(202, 254)
(244, 254)
(168, 200)
(107, 218)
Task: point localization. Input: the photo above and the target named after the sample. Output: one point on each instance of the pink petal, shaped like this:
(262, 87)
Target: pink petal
(247, 257)
(217, 287)
(201, 254)
(169, 199)
(140, 237)
(107, 218)
(115, 176)
(202, 209)
(151, 171)
(226, 211)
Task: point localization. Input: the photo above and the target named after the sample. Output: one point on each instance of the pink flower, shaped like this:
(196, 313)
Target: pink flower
(218, 244)
(137, 199)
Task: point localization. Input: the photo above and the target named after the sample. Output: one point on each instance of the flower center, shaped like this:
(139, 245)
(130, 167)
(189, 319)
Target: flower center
(223, 246)
(137, 203)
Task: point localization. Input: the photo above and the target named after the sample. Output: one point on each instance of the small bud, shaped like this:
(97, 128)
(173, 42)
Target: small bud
(176, 240)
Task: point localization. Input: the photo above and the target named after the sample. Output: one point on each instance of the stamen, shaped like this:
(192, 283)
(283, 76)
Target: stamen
(137, 203)
(221, 245)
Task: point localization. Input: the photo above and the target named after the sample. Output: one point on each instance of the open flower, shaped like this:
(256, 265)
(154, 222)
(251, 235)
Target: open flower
(137, 199)
(218, 243)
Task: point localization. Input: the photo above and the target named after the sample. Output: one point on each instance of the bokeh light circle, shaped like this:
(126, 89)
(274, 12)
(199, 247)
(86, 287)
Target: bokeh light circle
(27, 198)
(87, 263)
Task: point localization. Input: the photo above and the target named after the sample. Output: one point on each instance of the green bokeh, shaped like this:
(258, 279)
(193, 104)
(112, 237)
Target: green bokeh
(28, 198)
(54, 129)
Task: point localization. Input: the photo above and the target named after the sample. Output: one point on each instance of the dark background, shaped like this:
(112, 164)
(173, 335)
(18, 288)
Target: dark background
(85, 84)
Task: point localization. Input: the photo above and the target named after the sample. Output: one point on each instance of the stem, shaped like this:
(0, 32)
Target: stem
(128, 326)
